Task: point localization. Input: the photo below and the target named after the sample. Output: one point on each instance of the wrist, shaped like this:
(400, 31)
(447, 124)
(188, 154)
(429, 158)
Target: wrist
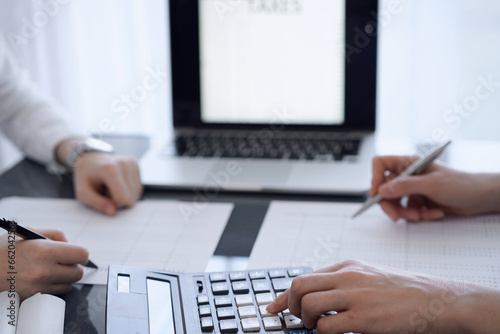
(490, 194)
(69, 151)
(64, 148)
(475, 309)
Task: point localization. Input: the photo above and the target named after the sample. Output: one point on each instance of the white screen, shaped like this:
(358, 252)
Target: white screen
(272, 61)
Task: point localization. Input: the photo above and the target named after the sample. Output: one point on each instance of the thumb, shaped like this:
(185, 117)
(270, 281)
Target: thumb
(405, 186)
(95, 200)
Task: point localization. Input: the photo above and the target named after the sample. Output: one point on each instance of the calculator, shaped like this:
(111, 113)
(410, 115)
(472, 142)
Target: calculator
(141, 301)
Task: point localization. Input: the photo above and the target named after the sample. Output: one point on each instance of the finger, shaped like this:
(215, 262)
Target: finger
(391, 209)
(134, 181)
(426, 209)
(56, 235)
(393, 164)
(280, 303)
(316, 304)
(87, 194)
(305, 284)
(68, 254)
(114, 180)
(432, 214)
(340, 323)
(410, 214)
(405, 186)
(63, 274)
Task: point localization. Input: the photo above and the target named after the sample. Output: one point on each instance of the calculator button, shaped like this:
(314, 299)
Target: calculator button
(250, 325)
(225, 313)
(243, 300)
(257, 274)
(281, 284)
(237, 276)
(223, 301)
(296, 272)
(272, 323)
(264, 313)
(207, 324)
(220, 288)
(217, 277)
(277, 273)
(205, 310)
(264, 298)
(247, 312)
(292, 321)
(228, 326)
(202, 299)
(240, 287)
(260, 285)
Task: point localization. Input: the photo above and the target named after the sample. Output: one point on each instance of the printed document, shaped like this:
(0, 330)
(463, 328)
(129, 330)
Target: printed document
(157, 234)
(318, 235)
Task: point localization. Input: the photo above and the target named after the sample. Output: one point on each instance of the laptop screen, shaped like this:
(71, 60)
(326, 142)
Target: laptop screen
(261, 59)
(308, 65)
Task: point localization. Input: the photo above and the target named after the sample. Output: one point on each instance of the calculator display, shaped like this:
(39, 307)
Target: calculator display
(160, 311)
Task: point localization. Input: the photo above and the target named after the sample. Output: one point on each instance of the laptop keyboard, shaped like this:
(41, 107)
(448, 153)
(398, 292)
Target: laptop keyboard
(236, 302)
(292, 148)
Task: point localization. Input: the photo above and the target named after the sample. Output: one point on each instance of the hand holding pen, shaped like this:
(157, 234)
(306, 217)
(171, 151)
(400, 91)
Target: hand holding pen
(399, 171)
(47, 266)
(438, 190)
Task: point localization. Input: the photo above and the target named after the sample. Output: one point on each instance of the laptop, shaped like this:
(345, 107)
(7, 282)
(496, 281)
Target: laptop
(270, 96)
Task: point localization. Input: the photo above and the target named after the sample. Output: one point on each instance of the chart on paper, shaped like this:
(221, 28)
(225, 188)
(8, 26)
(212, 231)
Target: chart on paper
(320, 234)
(157, 234)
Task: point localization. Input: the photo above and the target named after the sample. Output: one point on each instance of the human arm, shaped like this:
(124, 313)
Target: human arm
(47, 266)
(32, 121)
(36, 126)
(372, 299)
(437, 191)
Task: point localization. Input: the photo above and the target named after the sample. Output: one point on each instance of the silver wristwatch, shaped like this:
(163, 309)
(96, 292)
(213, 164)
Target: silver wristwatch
(84, 146)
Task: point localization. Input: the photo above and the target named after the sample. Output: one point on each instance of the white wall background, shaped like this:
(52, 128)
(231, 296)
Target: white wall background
(90, 54)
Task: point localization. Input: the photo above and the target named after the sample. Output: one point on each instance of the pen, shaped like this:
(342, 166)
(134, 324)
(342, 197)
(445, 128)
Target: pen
(27, 234)
(414, 168)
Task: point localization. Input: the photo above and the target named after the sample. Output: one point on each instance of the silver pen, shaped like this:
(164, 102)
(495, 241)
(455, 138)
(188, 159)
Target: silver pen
(414, 168)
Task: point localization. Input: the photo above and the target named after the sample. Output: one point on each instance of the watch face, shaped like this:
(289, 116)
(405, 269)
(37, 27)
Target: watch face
(98, 145)
(88, 145)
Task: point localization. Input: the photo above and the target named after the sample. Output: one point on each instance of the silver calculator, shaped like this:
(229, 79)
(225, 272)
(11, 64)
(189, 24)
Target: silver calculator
(147, 301)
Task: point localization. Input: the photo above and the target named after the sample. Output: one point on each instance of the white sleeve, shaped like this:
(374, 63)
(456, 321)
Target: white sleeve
(29, 119)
